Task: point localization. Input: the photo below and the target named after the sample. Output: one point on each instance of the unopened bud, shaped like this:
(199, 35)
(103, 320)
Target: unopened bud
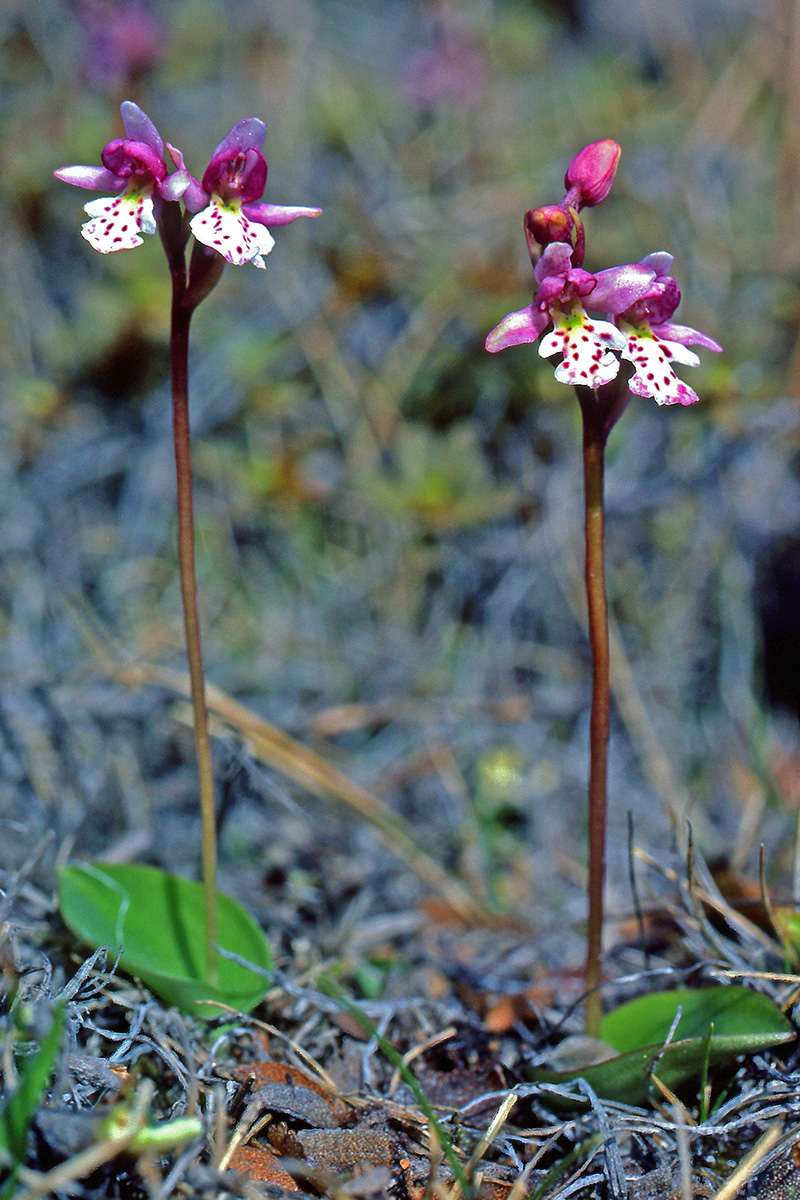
(546, 225)
(591, 173)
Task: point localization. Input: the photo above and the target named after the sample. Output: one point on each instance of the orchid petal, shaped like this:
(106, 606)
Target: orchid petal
(556, 260)
(659, 261)
(180, 181)
(175, 185)
(117, 221)
(93, 178)
(125, 158)
(195, 197)
(518, 328)
(177, 156)
(140, 128)
(617, 288)
(586, 348)
(236, 176)
(277, 214)
(226, 229)
(245, 134)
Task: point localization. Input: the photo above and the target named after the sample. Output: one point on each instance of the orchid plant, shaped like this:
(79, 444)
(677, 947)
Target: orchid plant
(615, 338)
(220, 219)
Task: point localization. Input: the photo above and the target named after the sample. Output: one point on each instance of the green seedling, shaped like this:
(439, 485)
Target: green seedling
(21, 1105)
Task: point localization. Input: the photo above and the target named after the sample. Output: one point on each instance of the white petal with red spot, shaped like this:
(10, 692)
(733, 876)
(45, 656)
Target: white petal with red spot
(586, 347)
(653, 375)
(117, 221)
(226, 229)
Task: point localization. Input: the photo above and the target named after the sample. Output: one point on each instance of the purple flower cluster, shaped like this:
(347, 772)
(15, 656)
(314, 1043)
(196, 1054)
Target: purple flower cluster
(634, 304)
(224, 208)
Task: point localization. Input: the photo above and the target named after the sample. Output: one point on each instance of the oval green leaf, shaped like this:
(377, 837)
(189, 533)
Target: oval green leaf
(716, 1024)
(157, 920)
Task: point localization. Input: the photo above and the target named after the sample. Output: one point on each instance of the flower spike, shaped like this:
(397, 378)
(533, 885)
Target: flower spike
(635, 303)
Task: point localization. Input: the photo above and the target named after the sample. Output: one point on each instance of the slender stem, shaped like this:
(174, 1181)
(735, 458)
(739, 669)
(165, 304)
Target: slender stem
(595, 433)
(179, 361)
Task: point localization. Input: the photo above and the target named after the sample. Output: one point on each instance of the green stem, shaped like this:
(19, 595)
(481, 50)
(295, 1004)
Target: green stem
(595, 434)
(179, 362)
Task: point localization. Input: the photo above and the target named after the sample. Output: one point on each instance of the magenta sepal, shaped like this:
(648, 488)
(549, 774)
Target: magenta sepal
(517, 328)
(94, 179)
(684, 335)
(140, 128)
(277, 214)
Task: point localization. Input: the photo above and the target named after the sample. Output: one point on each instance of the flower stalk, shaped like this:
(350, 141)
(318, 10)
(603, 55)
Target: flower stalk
(595, 435)
(614, 335)
(179, 366)
(228, 224)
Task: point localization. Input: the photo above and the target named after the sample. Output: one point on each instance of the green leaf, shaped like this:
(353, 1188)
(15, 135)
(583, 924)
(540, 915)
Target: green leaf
(716, 1024)
(157, 920)
(21, 1105)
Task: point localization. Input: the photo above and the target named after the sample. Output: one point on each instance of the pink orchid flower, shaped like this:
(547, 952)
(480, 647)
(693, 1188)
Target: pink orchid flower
(229, 217)
(135, 173)
(586, 344)
(653, 342)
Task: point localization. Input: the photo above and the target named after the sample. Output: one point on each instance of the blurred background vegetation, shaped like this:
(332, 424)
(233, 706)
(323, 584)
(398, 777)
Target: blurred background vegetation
(389, 518)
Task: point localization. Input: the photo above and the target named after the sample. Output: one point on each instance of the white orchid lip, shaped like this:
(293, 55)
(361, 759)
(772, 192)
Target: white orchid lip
(586, 347)
(226, 229)
(653, 375)
(117, 221)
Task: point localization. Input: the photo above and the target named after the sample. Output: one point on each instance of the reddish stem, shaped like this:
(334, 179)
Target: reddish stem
(596, 428)
(179, 362)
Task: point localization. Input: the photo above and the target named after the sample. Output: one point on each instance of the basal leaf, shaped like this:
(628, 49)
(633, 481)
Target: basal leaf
(738, 1020)
(157, 920)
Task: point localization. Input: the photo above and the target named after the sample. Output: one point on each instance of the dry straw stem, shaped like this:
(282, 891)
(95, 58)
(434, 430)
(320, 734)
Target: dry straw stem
(712, 900)
(283, 753)
(410, 1056)
(495, 1125)
(749, 1164)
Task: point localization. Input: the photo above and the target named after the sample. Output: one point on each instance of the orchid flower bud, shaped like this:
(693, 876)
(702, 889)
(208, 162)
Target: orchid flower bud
(591, 173)
(550, 223)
